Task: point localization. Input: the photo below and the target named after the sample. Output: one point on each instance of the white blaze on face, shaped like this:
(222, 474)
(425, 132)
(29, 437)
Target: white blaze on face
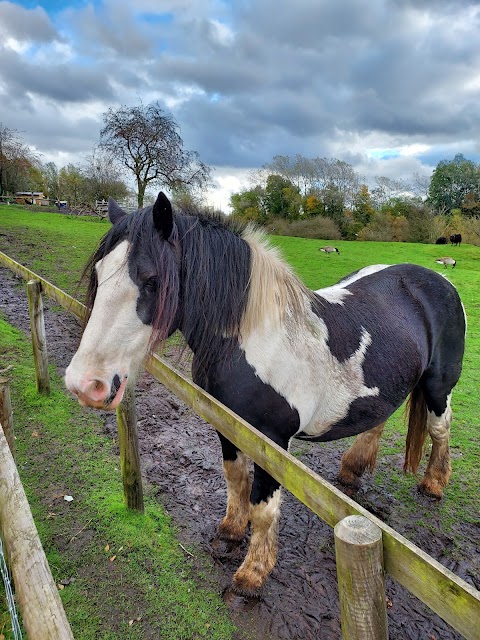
(115, 340)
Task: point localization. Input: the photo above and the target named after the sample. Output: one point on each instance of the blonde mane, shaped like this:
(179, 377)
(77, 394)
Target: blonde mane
(274, 290)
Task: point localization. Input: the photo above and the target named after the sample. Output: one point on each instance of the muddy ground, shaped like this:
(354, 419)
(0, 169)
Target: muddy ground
(181, 456)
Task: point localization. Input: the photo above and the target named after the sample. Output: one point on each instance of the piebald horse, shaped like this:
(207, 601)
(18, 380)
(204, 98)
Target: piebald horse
(292, 362)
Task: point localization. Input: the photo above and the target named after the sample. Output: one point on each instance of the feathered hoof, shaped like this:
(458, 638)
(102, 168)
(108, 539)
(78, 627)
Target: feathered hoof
(226, 548)
(238, 601)
(248, 583)
(350, 480)
(431, 489)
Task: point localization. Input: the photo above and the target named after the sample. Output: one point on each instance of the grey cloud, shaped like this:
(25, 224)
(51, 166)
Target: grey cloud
(109, 31)
(58, 82)
(237, 135)
(309, 77)
(26, 25)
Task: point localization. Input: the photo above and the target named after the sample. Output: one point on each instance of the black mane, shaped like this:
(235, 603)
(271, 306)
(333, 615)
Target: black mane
(213, 263)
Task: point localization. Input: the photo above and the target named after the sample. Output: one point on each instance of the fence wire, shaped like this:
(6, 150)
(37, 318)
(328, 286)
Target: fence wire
(17, 632)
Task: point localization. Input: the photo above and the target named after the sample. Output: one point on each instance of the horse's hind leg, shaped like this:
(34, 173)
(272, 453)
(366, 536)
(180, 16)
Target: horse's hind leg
(360, 456)
(438, 469)
(235, 468)
(262, 551)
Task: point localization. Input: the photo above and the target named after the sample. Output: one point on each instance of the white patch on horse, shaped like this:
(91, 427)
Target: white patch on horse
(362, 273)
(338, 292)
(300, 367)
(439, 426)
(334, 294)
(115, 340)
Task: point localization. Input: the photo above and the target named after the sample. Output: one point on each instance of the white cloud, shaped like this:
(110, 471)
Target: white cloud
(227, 180)
(16, 45)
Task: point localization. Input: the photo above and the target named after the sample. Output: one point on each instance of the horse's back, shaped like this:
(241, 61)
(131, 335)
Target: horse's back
(408, 300)
(416, 324)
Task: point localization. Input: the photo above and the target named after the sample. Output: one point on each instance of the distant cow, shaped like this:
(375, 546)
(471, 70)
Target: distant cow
(441, 240)
(456, 238)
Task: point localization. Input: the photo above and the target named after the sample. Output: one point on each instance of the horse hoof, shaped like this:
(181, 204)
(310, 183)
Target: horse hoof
(430, 491)
(238, 599)
(350, 481)
(225, 548)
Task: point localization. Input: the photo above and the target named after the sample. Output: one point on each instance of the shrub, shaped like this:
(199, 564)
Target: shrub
(317, 227)
(471, 230)
(385, 227)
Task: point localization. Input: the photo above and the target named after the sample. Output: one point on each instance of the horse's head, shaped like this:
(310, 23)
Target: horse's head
(133, 299)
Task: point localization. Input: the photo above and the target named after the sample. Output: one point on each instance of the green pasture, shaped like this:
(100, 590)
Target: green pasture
(131, 578)
(57, 246)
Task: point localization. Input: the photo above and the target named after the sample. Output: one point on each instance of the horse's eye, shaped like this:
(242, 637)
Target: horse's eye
(150, 285)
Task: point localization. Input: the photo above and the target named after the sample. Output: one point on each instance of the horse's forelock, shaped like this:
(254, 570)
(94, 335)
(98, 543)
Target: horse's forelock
(157, 258)
(108, 242)
(167, 271)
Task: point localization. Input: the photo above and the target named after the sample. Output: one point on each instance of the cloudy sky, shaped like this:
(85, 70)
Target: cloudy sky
(390, 86)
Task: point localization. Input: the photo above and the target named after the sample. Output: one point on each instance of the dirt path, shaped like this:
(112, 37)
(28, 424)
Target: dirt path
(181, 456)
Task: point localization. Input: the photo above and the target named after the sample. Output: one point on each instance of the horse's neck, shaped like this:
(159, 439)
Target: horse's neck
(215, 274)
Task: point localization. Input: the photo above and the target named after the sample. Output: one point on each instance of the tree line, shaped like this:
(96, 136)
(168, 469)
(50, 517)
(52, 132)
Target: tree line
(140, 142)
(317, 197)
(327, 198)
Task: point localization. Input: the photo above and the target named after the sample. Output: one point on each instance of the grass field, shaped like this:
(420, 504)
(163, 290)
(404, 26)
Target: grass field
(57, 246)
(130, 574)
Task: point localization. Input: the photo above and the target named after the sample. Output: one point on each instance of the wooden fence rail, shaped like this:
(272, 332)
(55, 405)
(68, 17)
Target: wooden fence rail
(40, 606)
(453, 599)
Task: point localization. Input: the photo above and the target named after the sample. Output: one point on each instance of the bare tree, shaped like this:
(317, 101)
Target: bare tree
(317, 175)
(145, 140)
(16, 160)
(387, 188)
(51, 180)
(421, 185)
(103, 177)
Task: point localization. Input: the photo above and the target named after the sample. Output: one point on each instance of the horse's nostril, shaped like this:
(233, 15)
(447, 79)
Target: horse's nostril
(116, 383)
(96, 389)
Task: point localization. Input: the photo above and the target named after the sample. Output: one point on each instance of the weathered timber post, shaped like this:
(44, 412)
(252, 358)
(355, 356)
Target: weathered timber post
(6, 414)
(39, 342)
(361, 581)
(36, 592)
(129, 455)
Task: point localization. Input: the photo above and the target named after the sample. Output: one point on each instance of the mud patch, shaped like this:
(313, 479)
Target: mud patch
(181, 456)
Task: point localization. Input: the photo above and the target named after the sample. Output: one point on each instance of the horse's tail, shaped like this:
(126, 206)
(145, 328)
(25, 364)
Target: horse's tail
(417, 429)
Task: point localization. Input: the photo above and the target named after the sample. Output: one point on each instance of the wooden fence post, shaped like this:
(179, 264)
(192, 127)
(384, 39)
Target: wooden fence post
(129, 454)
(36, 592)
(361, 581)
(6, 414)
(39, 342)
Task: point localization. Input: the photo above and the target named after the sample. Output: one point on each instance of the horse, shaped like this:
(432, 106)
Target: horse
(319, 365)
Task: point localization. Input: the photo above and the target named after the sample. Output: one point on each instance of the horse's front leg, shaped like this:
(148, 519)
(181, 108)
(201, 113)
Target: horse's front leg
(262, 551)
(235, 468)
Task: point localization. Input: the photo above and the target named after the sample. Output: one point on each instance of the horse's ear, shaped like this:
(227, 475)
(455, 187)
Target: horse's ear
(115, 211)
(163, 215)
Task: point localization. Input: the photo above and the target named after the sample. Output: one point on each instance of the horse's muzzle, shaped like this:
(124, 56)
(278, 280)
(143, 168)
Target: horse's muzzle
(98, 393)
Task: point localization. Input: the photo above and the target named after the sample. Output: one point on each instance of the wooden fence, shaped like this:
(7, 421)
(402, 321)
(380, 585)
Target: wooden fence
(37, 595)
(454, 600)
